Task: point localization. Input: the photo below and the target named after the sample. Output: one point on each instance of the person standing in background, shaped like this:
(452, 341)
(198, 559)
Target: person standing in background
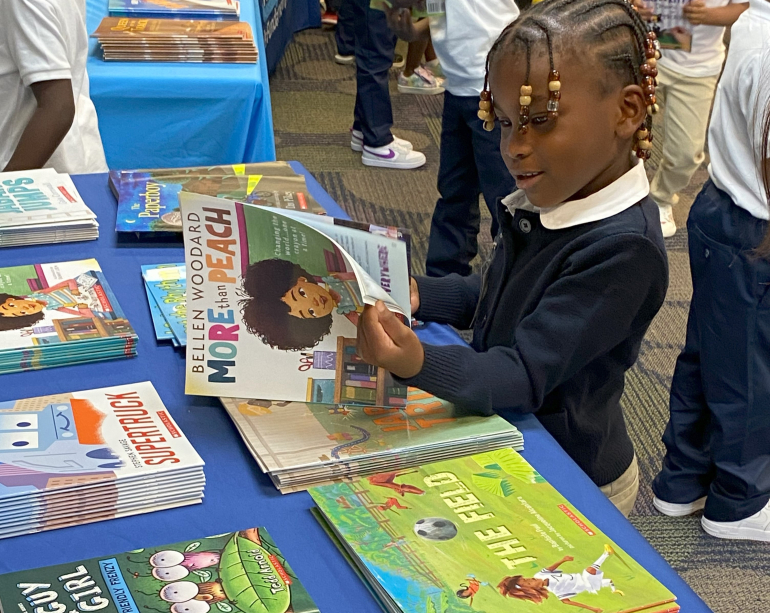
(718, 435)
(374, 46)
(470, 162)
(686, 84)
(47, 118)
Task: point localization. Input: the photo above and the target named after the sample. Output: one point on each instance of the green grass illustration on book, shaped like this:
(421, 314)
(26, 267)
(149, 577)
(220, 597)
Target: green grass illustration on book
(481, 533)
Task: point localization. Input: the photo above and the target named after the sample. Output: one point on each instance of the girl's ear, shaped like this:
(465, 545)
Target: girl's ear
(633, 111)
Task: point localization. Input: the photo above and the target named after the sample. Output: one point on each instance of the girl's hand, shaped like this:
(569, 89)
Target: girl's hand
(696, 12)
(384, 341)
(400, 22)
(414, 295)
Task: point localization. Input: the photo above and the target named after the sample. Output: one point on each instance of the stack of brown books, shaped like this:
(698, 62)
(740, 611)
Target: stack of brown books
(170, 40)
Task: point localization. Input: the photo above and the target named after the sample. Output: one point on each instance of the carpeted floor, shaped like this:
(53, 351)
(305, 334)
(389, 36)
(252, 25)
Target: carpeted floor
(313, 108)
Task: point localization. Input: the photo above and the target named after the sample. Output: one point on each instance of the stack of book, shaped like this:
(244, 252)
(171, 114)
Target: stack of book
(76, 458)
(60, 314)
(43, 206)
(304, 444)
(166, 287)
(480, 533)
(148, 200)
(170, 40)
(176, 9)
(243, 572)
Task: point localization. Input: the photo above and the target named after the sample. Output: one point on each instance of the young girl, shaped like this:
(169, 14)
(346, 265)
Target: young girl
(19, 312)
(579, 268)
(718, 455)
(290, 309)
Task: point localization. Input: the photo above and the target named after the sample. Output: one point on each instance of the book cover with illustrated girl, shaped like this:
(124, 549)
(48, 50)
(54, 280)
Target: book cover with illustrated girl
(302, 444)
(238, 572)
(482, 533)
(62, 312)
(273, 299)
(152, 204)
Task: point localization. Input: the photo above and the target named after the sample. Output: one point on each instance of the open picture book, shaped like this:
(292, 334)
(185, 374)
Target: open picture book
(273, 298)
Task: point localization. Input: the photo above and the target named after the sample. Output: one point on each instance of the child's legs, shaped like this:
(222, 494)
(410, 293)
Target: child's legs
(453, 241)
(495, 178)
(687, 470)
(414, 55)
(374, 48)
(623, 491)
(344, 33)
(686, 104)
(733, 304)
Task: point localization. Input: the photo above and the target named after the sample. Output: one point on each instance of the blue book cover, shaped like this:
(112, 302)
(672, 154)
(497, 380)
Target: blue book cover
(166, 284)
(176, 9)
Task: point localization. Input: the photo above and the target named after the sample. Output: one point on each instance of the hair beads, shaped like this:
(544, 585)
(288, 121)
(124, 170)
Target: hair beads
(619, 42)
(486, 111)
(648, 71)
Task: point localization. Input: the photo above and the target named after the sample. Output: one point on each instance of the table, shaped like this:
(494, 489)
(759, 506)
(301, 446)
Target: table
(159, 115)
(280, 19)
(238, 495)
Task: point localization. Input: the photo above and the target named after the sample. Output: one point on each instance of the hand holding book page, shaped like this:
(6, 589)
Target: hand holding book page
(279, 293)
(385, 341)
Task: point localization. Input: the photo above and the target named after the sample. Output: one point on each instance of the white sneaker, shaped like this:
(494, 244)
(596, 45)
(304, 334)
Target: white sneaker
(667, 221)
(673, 509)
(754, 528)
(394, 155)
(345, 60)
(357, 141)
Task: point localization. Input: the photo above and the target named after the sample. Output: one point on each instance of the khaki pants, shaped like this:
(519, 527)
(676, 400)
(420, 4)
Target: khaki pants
(685, 102)
(622, 492)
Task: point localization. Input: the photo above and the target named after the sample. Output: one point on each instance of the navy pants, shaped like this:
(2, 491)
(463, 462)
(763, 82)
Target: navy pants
(718, 436)
(470, 164)
(344, 32)
(374, 45)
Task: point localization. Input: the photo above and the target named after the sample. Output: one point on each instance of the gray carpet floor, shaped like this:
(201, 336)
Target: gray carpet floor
(312, 110)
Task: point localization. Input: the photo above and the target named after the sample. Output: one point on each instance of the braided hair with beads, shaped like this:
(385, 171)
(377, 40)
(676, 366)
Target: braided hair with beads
(619, 40)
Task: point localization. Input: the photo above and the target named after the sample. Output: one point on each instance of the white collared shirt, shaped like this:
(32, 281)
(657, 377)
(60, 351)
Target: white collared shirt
(742, 96)
(608, 201)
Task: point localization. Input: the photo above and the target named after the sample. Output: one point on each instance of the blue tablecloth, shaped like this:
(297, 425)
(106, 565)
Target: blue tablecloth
(238, 495)
(155, 115)
(280, 19)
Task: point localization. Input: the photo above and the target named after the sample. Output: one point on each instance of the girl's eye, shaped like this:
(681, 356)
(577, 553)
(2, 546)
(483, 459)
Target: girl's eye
(539, 120)
(312, 312)
(505, 123)
(302, 293)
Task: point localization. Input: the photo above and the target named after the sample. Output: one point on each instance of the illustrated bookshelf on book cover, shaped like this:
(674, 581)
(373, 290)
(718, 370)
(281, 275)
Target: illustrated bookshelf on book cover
(361, 383)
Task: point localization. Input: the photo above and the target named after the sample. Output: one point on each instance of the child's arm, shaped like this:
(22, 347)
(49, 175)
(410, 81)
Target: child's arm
(38, 47)
(47, 127)
(401, 23)
(609, 291)
(553, 567)
(446, 300)
(697, 13)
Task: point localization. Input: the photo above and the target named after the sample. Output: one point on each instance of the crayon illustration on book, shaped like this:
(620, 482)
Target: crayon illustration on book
(240, 572)
(282, 291)
(484, 532)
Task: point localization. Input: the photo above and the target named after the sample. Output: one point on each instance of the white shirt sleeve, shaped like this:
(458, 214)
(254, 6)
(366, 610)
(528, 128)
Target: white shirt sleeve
(36, 41)
(754, 94)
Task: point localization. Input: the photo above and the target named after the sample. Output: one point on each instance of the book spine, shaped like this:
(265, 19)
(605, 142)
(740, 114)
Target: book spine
(357, 393)
(355, 377)
(361, 369)
(363, 384)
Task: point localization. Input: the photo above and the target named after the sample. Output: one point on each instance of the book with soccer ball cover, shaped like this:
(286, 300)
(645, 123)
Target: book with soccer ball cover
(483, 532)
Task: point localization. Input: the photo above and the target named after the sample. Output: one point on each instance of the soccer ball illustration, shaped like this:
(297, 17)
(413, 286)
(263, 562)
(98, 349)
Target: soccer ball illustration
(435, 529)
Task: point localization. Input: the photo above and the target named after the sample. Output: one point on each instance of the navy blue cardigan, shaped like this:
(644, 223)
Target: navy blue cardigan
(557, 321)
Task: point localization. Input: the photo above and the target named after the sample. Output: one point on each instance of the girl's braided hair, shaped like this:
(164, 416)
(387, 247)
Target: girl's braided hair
(610, 30)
